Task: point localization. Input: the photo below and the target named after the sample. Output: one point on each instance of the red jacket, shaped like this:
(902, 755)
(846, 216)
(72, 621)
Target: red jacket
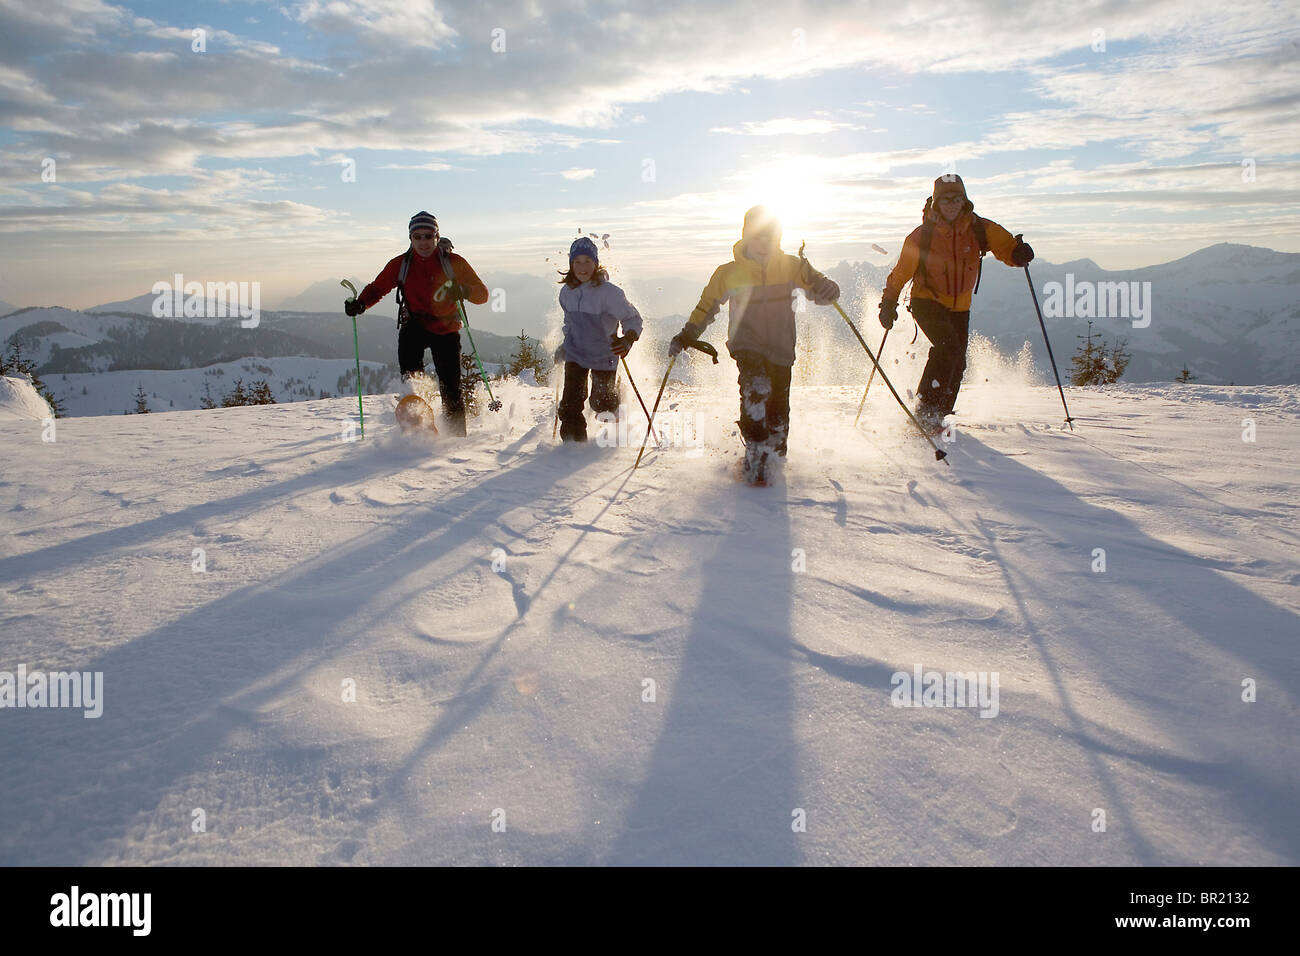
(423, 278)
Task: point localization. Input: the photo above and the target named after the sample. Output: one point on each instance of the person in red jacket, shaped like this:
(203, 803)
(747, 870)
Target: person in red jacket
(429, 279)
(943, 257)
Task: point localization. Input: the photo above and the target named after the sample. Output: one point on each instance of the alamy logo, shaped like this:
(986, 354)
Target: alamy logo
(192, 300)
(102, 909)
(1098, 300)
(58, 689)
(950, 689)
(675, 429)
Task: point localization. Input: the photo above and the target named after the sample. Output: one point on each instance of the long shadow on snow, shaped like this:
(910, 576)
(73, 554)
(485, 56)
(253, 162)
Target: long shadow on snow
(96, 547)
(720, 785)
(173, 696)
(1262, 785)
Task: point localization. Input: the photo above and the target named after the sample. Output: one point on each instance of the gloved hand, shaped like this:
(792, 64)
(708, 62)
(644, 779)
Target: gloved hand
(451, 291)
(824, 291)
(353, 307)
(558, 357)
(444, 244)
(888, 313)
(682, 339)
(620, 345)
(1022, 254)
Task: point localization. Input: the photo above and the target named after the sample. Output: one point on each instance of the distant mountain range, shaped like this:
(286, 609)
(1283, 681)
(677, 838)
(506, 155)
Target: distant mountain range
(1230, 313)
(519, 301)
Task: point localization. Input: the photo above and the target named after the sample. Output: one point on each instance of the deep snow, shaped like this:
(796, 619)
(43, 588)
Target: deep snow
(771, 620)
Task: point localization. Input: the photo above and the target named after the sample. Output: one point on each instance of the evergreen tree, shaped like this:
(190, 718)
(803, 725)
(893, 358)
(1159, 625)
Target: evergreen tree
(469, 384)
(141, 401)
(1097, 363)
(261, 394)
(1118, 361)
(14, 364)
(527, 356)
(236, 396)
(206, 401)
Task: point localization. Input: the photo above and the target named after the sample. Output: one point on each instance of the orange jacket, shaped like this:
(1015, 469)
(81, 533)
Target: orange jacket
(423, 278)
(952, 264)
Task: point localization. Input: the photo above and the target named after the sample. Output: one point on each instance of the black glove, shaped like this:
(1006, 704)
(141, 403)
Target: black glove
(1022, 254)
(353, 307)
(683, 339)
(888, 313)
(620, 345)
(451, 291)
(824, 291)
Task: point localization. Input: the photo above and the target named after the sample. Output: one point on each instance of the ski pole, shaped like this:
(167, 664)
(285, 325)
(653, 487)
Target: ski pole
(939, 453)
(632, 382)
(493, 404)
(1034, 295)
(704, 347)
(651, 426)
(356, 347)
(870, 377)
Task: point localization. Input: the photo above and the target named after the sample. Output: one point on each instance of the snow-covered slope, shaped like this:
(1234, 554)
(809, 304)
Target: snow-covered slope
(18, 400)
(291, 379)
(659, 666)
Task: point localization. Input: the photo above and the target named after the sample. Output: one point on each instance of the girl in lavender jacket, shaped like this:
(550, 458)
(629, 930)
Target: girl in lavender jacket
(594, 308)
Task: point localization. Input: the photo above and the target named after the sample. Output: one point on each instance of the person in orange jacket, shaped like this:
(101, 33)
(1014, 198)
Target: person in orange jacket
(942, 257)
(429, 279)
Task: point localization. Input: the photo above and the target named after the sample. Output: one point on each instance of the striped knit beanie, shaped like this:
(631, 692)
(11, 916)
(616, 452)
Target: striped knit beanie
(423, 220)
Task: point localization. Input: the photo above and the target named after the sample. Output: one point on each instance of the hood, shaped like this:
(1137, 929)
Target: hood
(949, 182)
(738, 251)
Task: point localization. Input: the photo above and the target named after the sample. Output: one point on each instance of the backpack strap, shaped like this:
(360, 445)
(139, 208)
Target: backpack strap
(402, 313)
(927, 236)
(923, 253)
(982, 237)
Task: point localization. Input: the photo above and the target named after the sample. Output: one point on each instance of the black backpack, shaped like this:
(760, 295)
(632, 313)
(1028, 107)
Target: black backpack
(927, 236)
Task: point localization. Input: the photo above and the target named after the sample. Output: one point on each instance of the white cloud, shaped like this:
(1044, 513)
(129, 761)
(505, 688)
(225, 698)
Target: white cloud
(426, 167)
(409, 24)
(576, 174)
(784, 127)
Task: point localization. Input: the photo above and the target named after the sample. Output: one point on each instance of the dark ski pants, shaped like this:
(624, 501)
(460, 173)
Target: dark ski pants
(948, 332)
(412, 340)
(604, 398)
(764, 400)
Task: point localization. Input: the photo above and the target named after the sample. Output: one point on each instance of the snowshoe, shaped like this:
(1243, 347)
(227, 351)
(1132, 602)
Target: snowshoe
(752, 468)
(415, 416)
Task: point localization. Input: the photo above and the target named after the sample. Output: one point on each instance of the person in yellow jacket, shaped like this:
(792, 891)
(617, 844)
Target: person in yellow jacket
(758, 284)
(942, 258)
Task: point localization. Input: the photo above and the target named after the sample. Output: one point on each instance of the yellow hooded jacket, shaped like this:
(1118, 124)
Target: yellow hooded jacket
(761, 298)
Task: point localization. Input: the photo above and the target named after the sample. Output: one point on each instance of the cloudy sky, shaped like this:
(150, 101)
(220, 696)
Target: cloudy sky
(1126, 133)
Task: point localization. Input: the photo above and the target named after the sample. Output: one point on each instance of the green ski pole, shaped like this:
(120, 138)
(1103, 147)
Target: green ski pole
(356, 347)
(493, 404)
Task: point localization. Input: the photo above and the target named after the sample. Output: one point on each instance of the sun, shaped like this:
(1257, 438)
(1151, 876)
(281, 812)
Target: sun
(793, 193)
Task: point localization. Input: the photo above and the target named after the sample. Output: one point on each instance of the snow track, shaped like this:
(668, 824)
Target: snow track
(660, 665)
